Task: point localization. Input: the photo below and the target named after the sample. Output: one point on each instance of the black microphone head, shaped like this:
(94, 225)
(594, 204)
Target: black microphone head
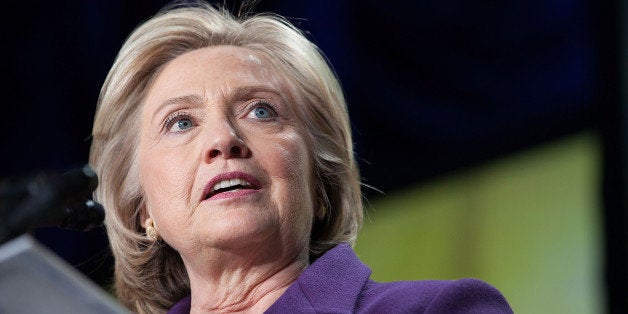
(83, 216)
(74, 184)
(91, 175)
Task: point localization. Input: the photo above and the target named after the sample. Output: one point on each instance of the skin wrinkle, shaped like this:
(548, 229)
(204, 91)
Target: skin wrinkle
(160, 115)
(258, 251)
(247, 296)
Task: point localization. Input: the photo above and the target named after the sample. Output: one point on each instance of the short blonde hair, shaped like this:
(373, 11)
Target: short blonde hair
(150, 277)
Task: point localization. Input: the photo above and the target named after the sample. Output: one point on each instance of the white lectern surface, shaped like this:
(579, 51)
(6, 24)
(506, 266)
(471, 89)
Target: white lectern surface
(33, 279)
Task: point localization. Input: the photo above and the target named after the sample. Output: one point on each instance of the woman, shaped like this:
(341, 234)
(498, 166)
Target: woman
(224, 153)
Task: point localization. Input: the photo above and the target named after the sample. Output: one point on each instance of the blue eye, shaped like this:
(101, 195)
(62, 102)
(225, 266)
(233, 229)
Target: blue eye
(179, 123)
(263, 113)
(184, 124)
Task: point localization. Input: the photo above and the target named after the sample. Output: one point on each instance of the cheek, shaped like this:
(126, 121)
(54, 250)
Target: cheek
(290, 167)
(289, 160)
(166, 180)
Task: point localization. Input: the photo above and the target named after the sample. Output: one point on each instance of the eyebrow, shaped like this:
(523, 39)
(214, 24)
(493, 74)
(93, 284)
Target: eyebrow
(191, 99)
(243, 91)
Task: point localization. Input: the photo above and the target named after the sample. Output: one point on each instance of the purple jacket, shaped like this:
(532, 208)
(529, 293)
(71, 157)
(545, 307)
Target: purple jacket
(338, 282)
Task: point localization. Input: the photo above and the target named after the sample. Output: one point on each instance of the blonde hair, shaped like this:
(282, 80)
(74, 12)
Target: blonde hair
(150, 276)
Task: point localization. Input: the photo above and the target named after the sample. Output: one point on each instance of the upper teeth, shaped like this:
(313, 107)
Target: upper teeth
(229, 183)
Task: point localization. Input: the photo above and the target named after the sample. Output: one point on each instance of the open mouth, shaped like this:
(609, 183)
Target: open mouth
(229, 185)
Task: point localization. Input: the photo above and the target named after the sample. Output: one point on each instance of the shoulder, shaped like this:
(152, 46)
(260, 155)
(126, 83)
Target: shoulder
(432, 296)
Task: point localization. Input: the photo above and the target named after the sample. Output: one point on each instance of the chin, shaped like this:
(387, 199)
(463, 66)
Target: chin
(241, 231)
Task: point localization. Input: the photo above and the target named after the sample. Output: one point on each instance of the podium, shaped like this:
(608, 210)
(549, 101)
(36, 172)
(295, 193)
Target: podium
(33, 279)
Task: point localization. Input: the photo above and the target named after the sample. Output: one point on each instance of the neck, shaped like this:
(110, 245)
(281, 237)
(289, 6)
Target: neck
(235, 283)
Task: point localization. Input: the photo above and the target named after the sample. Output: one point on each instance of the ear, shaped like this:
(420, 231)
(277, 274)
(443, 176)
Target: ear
(144, 217)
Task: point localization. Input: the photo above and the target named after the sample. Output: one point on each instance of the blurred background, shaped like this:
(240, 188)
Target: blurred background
(491, 135)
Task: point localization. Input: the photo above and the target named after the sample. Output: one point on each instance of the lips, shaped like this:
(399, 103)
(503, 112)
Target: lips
(230, 184)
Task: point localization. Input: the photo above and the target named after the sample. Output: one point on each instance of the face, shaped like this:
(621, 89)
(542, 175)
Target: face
(223, 162)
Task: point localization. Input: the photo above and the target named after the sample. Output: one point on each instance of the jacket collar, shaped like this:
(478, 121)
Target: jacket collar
(331, 284)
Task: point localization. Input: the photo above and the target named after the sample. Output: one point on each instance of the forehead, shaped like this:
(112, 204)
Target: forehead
(207, 71)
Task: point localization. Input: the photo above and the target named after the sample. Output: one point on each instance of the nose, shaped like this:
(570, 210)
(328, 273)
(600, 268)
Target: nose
(224, 142)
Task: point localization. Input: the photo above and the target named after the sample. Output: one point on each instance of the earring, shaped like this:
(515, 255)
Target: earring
(321, 213)
(151, 232)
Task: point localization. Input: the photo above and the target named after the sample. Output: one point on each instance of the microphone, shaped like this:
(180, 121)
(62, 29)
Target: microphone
(80, 217)
(50, 200)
